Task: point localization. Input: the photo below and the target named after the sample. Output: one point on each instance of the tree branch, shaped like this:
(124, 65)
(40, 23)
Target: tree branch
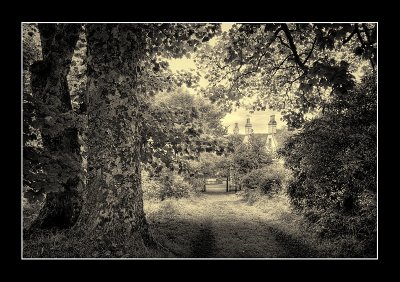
(364, 45)
(294, 80)
(359, 36)
(366, 31)
(350, 36)
(280, 65)
(312, 49)
(237, 78)
(283, 43)
(293, 47)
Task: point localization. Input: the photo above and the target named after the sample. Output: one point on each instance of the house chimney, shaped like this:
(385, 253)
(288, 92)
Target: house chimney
(248, 127)
(272, 125)
(236, 129)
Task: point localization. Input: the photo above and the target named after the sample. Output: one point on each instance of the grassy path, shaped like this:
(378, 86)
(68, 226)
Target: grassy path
(224, 225)
(203, 245)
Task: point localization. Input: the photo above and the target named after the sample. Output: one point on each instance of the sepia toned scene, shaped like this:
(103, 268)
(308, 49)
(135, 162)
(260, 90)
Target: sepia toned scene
(199, 140)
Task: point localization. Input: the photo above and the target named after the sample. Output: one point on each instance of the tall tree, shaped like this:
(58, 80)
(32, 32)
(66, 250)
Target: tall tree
(117, 55)
(61, 162)
(114, 197)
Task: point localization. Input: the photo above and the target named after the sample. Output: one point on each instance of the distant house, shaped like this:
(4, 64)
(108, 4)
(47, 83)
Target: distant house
(273, 140)
(270, 138)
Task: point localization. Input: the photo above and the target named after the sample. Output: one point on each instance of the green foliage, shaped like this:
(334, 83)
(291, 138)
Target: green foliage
(165, 185)
(334, 163)
(207, 165)
(196, 182)
(269, 179)
(235, 140)
(48, 120)
(150, 186)
(250, 156)
(178, 126)
(294, 68)
(180, 188)
(31, 45)
(77, 78)
(188, 175)
(78, 243)
(31, 207)
(32, 141)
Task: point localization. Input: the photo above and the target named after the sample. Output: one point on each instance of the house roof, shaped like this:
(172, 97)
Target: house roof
(280, 136)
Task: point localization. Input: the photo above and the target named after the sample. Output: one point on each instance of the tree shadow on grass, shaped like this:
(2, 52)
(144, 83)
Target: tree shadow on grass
(203, 245)
(293, 247)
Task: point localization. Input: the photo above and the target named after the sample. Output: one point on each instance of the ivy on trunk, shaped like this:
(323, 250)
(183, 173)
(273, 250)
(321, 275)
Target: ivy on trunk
(114, 193)
(50, 91)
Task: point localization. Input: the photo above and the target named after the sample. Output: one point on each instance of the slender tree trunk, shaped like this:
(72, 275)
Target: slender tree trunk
(114, 194)
(50, 87)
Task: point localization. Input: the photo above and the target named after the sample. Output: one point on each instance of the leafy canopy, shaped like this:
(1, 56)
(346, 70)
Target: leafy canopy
(294, 68)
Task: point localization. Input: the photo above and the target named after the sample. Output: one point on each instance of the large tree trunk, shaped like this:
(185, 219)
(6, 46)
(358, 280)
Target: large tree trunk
(114, 195)
(50, 87)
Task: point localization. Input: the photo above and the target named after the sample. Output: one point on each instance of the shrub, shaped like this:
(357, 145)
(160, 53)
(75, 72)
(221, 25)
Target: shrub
(31, 210)
(252, 195)
(251, 156)
(180, 187)
(166, 185)
(268, 179)
(334, 162)
(152, 188)
(197, 184)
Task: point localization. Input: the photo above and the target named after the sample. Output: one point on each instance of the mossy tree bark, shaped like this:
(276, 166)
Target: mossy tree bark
(50, 88)
(114, 195)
